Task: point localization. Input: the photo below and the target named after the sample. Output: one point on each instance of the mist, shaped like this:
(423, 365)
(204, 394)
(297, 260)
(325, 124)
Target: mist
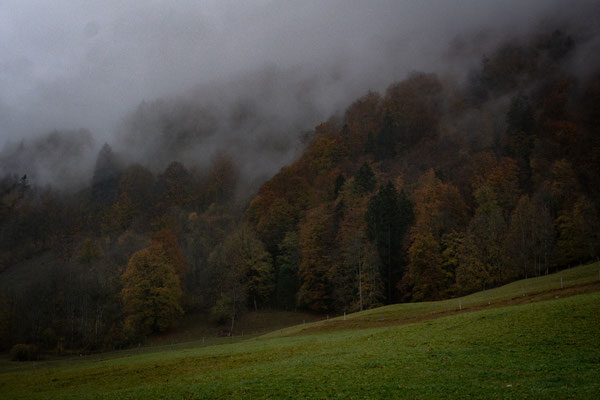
(245, 78)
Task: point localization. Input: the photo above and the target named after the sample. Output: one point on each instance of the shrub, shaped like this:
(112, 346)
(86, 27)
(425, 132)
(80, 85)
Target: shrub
(221, 311)
(24, 352)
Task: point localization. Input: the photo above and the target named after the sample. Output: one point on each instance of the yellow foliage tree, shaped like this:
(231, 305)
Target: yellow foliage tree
(151, 293)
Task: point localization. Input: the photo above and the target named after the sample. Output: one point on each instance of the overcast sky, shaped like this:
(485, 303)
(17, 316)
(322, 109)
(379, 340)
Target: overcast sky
(68, 64)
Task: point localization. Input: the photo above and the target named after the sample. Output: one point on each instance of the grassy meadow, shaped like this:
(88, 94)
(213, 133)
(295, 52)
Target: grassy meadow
(542, 349)
(578, 279)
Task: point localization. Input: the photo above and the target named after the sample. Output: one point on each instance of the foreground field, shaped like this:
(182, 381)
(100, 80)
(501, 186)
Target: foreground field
(547, 349)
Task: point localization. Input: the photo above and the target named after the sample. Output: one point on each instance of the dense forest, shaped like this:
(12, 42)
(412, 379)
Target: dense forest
(440, 186)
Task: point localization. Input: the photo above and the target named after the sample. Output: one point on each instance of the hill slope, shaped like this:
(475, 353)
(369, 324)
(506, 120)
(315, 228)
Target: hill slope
(565, 283)
(536, 350)
(442, 185)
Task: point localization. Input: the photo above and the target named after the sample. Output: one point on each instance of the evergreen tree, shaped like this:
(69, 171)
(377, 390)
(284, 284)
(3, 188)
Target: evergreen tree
(365, 179)
(105, 181)
(520, 139)
(389, 136)
(339, 184)
(370, 144)
(388, 217)
(520, 114)
(288, 262)
(174, 186)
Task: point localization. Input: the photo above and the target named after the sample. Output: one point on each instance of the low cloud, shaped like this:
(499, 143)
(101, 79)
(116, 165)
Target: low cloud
(262, 72)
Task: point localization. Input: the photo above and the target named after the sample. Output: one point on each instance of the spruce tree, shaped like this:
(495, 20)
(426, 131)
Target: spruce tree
(388, 217)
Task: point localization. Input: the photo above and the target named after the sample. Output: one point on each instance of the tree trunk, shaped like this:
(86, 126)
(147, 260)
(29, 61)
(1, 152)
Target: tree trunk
(232, 316)
(389, 254)
(360, 284)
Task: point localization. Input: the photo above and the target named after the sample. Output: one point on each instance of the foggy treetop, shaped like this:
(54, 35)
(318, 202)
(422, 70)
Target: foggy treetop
(71, 65)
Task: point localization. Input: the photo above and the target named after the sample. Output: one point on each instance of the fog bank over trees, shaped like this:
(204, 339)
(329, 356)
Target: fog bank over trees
(186, 80)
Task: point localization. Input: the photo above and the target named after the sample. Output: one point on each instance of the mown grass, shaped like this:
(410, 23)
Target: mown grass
(548, 349)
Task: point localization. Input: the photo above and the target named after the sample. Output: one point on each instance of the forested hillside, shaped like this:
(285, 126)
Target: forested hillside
(441, 186)
(438, 187)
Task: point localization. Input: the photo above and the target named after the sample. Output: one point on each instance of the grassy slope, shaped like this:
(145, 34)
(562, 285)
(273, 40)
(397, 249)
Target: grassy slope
(537, 350)
(195, 331)
(196, 326)
(582, 278)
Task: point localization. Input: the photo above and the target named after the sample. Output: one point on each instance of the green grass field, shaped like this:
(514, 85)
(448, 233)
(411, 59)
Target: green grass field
(545, 349)
(519, 291)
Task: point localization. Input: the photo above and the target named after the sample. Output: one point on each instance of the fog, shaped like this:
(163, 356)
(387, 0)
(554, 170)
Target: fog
(250, 76)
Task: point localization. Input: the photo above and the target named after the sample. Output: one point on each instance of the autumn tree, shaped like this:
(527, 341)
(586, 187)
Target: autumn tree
(363, 118)
(167, 242)
(438, 206)
(503, 181)
(317, 241)
(425, 278)
(563, 185)
(245, 268)
(414, 107)
(482, 253)
(90, 251)
(577, 233)
(222, 178)
(452, 245)
(439, 211)
(133, 200)
(278, 205)
(151, 293)
(356, 278)
(323, 153)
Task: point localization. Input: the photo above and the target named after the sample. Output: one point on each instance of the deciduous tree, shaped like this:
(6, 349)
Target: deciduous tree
(317, 241)
(151, 293)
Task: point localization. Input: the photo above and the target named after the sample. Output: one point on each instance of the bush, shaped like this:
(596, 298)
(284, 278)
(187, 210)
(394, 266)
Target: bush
(24, 352)
(221, 311)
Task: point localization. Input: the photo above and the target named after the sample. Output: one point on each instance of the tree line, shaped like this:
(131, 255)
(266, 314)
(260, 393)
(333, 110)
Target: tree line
(437, 188)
